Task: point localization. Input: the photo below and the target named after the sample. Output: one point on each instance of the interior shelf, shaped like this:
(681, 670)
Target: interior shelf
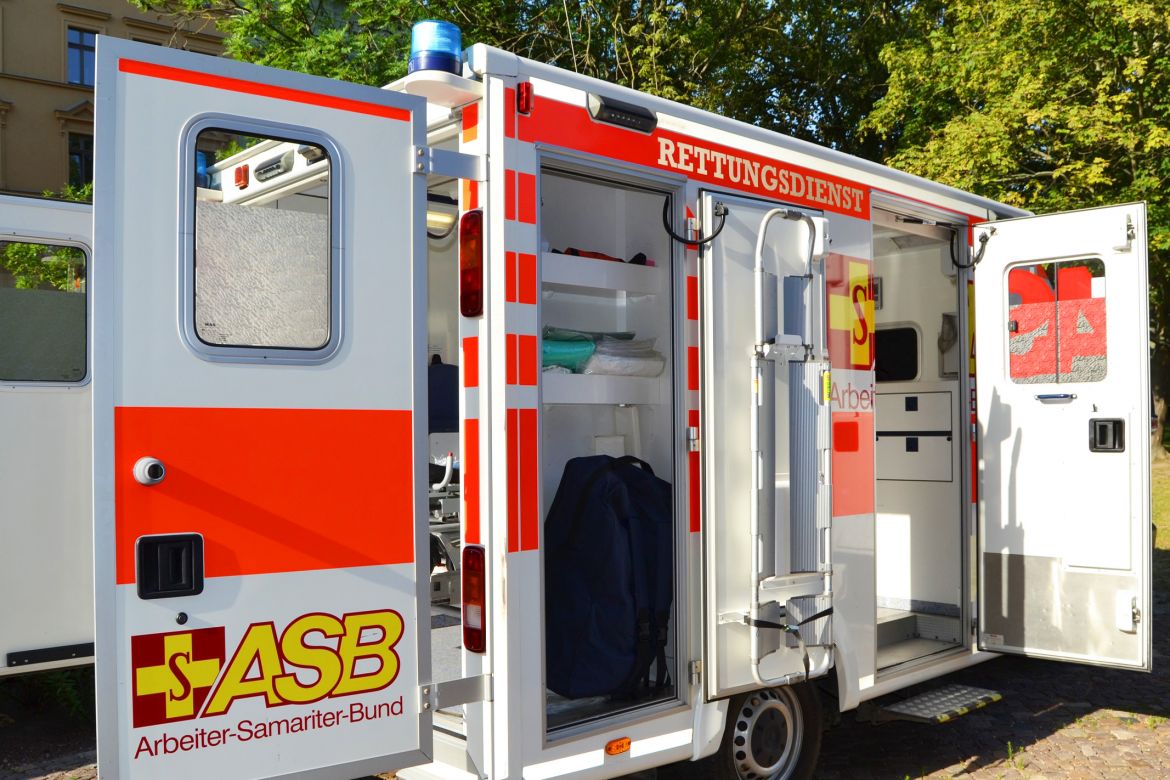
(586, 276)
(600, 389)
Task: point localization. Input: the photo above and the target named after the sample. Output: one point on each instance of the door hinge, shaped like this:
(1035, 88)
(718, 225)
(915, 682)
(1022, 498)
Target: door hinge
(452, 693)
(692, 438)
(1130, 235)
(695, 668)
(1137, 613)
(444, 162)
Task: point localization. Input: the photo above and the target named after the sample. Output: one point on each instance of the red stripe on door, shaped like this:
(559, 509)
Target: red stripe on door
(270, 490)
(692, 368)
(509, 194)
(510, 277)
(528, 368)
(470, 122)
(527, 287)
(527, 185)
(692, 297)
(471, 480)
(513, 433)
(529, 485)
(230, 84)
(471, 361)
(509, 112)
(510, 357)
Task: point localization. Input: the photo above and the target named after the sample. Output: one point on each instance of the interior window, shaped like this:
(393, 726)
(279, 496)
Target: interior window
(263, 259)
(895, 354)
(1056, 322)
(42, 312)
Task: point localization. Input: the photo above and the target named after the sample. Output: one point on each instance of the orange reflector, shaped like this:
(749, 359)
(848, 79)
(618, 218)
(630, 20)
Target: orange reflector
(615, 747)
(242, 177)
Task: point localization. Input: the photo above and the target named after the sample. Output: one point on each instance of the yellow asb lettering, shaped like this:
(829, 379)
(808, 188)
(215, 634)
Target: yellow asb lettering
(321, 659)
(354, 654)
(389, 625)
(258, 646)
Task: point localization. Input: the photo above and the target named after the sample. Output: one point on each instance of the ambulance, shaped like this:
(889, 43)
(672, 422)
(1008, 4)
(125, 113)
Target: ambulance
(904, 427)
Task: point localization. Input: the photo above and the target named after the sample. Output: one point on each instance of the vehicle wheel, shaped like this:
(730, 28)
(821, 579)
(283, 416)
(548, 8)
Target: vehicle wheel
(771, 734)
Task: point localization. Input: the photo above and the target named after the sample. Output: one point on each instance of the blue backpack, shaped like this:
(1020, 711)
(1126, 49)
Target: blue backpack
(608, 578)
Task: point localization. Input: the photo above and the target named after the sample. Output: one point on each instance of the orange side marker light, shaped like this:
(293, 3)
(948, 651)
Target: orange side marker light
(615, 747)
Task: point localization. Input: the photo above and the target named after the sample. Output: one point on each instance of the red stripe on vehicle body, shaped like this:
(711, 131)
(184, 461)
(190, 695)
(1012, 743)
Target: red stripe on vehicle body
(231, 84)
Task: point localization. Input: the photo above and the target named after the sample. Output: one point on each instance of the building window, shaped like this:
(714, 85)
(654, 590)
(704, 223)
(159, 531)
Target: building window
(82, 47)
(80, 159)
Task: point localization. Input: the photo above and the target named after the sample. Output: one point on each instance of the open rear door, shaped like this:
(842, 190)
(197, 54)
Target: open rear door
(1063, 388)
(260, 409)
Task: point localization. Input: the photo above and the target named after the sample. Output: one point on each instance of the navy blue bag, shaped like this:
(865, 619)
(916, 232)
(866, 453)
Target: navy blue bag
(608, 578)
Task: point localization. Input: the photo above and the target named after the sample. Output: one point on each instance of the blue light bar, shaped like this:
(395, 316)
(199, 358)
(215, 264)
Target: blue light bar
(435, 45)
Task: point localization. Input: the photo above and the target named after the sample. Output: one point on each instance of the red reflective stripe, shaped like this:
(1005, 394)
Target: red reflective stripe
(528, 284)
(528, 368)
(513, 434)
(201, 79)
(693, 477)
(527, 185)
(470, 195)
(529, 481)
(471, 481)
(270, 490)
(471, 361)
(510, 359)
(692, 297)
(509, 112)
(509, 194)
(510, 277)
(470, 122)
(692, 368)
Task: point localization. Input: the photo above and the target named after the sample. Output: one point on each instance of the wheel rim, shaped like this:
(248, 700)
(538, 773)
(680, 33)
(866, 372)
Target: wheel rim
(768, 732)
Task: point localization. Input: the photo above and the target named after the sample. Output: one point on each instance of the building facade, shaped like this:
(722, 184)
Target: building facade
(47, 58)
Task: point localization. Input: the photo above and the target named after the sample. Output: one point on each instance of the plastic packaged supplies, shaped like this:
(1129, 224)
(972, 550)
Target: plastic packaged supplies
(620, 357)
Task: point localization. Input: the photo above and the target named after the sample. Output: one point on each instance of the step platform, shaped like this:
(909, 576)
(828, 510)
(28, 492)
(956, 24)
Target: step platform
(939, 705)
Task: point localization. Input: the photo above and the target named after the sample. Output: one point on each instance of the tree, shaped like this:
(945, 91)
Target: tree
(810, 70)
(41, 266)
(1046, 105)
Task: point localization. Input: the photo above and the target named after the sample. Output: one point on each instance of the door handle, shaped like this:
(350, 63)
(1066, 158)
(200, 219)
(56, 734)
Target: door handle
(1107, 435)
(1056, 397)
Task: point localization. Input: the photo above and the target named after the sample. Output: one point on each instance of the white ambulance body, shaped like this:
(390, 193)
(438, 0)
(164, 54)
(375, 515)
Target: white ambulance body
(46, 548)
(859, 504)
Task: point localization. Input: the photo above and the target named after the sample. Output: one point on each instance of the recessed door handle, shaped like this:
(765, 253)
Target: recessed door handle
(1057, 397)
(149, 471)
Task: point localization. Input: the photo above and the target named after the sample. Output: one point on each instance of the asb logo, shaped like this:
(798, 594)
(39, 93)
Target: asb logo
(183, 674)
(174, 673)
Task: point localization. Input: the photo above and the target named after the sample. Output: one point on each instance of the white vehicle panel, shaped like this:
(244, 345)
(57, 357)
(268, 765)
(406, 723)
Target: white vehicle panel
(1064, 522)
(45, 482)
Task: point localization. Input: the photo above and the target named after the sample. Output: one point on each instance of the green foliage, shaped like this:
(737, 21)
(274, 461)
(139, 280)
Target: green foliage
(808, 69)
(67, 691)
(1045, 105)
(40, 266)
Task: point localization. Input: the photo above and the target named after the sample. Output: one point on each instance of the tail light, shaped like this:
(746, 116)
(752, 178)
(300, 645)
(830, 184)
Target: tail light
(241, 177)
(471, 263)
(524, 98)
(474, 580)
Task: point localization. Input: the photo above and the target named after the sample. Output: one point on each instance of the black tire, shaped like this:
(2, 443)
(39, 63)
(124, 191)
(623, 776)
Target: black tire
(771, 734)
